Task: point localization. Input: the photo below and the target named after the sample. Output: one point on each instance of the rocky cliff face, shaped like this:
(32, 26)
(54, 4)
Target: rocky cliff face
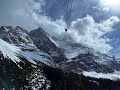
(45, 43)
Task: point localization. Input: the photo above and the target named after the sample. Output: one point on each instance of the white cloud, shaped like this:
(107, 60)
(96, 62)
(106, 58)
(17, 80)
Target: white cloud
(83, 30)
(90, 33)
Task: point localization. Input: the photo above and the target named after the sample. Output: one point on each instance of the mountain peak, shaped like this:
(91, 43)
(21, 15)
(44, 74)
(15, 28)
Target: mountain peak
(4, 29)
(45, 43)
(39, 31)
(14, 35)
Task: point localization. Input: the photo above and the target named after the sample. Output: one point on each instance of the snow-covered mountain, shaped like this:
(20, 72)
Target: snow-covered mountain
(14, 35)
(73, 56)
(82, 58)
(18, 40)
(38, 45)
(35, 60)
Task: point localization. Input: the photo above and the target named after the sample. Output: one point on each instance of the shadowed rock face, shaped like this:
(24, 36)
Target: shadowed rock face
(43, 42)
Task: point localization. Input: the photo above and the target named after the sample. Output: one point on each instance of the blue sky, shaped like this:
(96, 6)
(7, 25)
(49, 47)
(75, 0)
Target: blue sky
(92, 23)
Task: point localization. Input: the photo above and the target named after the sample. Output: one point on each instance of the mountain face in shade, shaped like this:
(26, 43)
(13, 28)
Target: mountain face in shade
(45, 43)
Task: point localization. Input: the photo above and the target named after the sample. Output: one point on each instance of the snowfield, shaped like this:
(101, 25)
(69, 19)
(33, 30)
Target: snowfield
(38, 56)
(9, 50)
(112, 76)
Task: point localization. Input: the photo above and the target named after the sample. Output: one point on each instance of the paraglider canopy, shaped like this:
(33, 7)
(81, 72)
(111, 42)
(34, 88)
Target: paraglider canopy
(66, 29)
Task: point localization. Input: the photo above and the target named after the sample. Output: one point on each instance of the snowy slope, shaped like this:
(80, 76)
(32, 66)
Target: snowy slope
(9, 50)
(14, 35)
(72, 49)
(32, 54)
(17, 39)
(111, 76)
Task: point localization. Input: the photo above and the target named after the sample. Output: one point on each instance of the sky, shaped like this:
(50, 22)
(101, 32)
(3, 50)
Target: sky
(94, 23)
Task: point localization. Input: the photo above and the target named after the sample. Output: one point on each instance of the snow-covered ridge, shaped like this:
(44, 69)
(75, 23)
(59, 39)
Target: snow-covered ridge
(16, 41)
(14, 35)
(111, 76)
(9, 50)
(32, 54)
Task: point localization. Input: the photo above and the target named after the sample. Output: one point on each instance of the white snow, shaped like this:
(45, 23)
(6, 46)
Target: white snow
(9, 50)
(32, 53)
(69, 61)
(52, 41)
(111, 76)
(71, 49)
(31, 56)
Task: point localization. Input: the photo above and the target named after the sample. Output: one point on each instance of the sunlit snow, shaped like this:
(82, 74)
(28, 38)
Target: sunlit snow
(112, 76)
(9, 50)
